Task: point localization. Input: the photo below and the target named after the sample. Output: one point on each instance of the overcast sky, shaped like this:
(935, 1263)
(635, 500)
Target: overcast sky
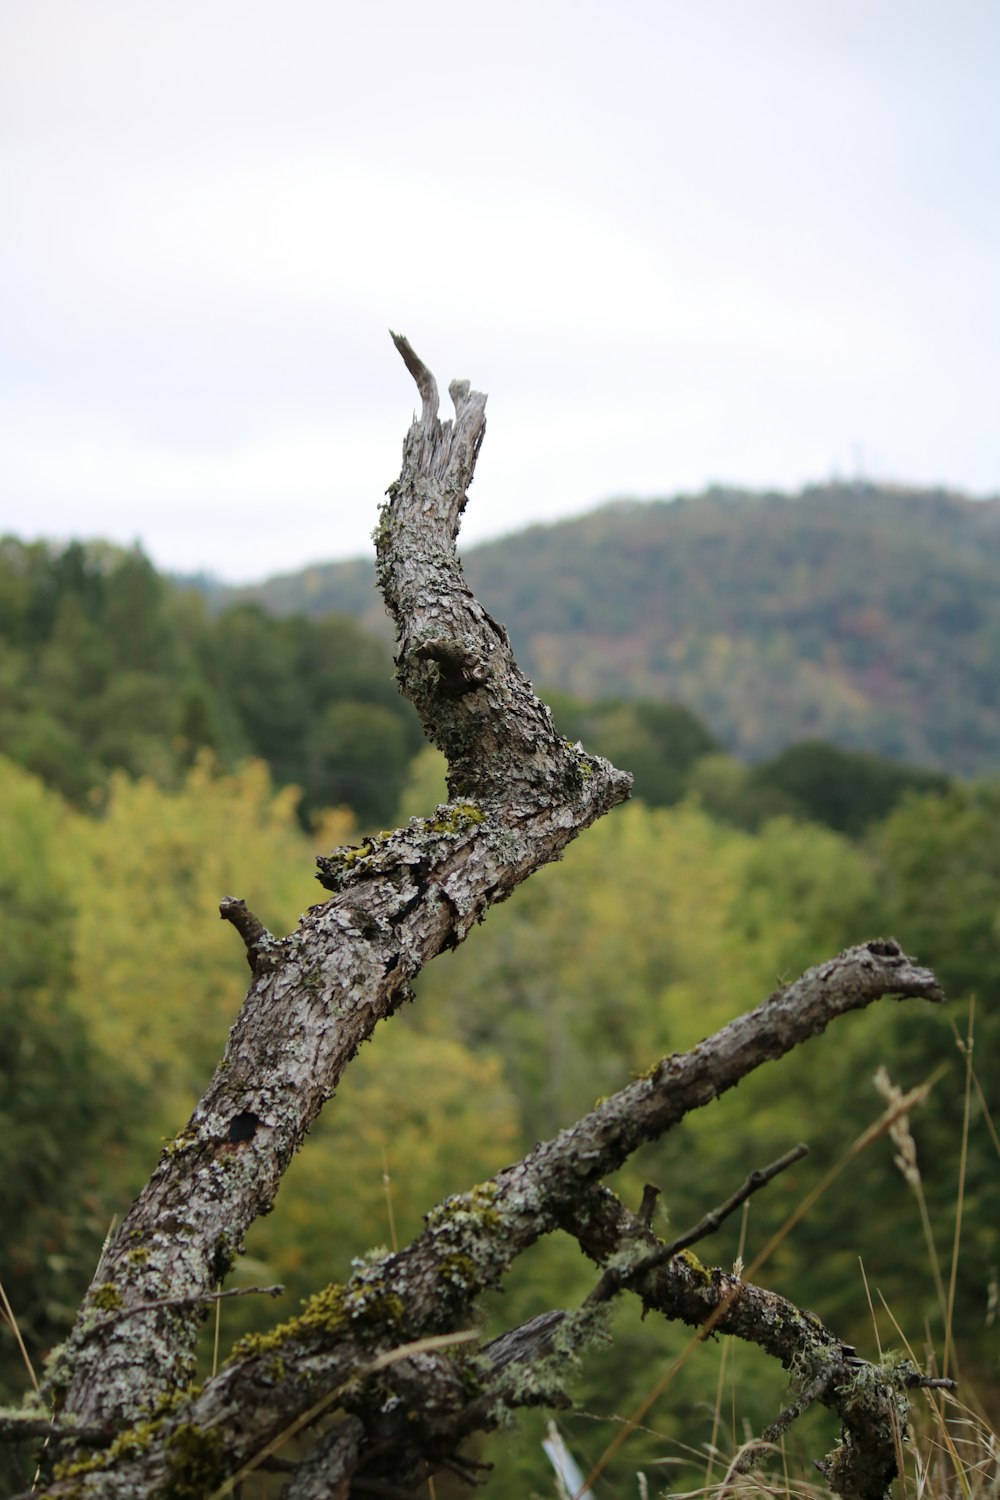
(676, 241)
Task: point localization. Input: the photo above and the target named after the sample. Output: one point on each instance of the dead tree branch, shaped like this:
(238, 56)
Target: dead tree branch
(431, 1287)
(375, 1353)
(522, 793)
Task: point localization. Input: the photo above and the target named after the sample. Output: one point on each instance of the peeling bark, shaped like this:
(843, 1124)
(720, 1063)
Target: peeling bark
(126, 1421)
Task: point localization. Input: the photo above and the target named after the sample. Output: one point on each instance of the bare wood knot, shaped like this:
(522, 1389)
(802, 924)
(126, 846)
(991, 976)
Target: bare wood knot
(460, 671)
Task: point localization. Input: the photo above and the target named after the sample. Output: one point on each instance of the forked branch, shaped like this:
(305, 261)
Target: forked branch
(369, 1348)
(317, 994)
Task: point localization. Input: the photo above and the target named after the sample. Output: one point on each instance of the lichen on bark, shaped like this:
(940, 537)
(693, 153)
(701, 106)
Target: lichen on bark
(372, 1345)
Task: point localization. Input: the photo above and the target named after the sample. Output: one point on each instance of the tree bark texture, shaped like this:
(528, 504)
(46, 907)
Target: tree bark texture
(125, 1418)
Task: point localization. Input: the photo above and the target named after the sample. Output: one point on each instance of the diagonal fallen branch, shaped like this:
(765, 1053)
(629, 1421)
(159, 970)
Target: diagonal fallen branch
(430, 1287)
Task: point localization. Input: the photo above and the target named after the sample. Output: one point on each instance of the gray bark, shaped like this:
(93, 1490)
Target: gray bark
(371, 1349)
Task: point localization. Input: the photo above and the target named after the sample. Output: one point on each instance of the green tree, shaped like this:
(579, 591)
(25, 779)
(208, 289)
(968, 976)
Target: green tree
(317, 701)
(419, 1116)
(108, 667)
(62, 1110)
(358, 756)
(940, 878)
(660, 743)
(148, 876)
(846, 790)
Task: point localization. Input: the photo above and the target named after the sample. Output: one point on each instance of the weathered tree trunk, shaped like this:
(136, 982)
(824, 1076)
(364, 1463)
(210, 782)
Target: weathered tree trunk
(123, 1418)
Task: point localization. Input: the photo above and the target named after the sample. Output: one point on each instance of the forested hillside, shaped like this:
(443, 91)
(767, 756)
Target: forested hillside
(864, 616)
(118, 983)
(106, 666)
(128, 808)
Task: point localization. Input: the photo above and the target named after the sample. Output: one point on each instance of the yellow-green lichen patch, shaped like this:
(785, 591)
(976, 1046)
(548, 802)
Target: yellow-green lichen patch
(689, 1257)
(325, 1312)
(375, 856)
(180, 1143)
(128, 1444)
(468, 1208)
(106, 1296)
(132, 1442)
(383, 533)
(470, 1248)
(457, 817)
(352, 853)
(459, 1271)
(372, 1302)
(80, 1466)
(197, 1461)
(168, 1401)
(366, 1302)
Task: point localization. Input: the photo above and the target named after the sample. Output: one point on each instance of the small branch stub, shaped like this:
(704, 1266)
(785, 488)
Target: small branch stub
(253, 932)
(424, 380)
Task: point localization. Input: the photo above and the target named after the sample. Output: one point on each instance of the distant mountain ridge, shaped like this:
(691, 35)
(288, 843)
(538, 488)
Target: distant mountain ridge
(864, 615)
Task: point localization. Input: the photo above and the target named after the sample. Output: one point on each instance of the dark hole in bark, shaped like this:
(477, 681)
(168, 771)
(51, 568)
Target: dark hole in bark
(243, 1126)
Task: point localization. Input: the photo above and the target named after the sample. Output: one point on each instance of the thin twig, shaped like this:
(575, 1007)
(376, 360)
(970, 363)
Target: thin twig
(757, 1450)
(758, 1178)
(615, 1277)
(277, 1290)
(15, 1427)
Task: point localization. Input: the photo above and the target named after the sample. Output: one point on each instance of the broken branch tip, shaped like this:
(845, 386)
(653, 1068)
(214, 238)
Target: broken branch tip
(425, 382)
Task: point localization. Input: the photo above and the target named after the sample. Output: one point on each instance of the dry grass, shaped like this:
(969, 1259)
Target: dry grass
(8, 1317)
(951, 1450)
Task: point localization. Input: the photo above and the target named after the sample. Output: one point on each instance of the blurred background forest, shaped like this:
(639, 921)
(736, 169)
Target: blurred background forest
(806, 690)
